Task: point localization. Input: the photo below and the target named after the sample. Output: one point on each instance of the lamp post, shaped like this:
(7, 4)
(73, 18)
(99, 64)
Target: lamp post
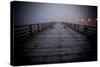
(65, 17)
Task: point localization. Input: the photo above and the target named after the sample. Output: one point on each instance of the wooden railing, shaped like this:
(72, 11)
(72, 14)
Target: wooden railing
(22, 32)
(88, 30)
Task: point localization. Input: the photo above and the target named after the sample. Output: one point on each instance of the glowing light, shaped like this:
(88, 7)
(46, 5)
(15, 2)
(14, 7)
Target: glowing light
(89, 19)
(82, 20)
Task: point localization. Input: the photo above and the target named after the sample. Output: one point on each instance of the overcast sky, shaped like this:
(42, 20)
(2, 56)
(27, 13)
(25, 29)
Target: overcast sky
(29, 13)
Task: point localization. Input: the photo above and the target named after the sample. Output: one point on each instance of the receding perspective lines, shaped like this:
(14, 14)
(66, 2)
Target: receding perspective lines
(59, 42)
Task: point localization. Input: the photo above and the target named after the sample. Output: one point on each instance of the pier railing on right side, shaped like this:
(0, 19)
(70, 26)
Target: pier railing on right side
(89, 30)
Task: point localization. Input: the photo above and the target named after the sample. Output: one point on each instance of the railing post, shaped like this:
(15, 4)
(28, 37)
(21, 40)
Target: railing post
(74, 26)
(30, 26)
(38, 27)
(85, 29)
(42, 26)
(78, 27)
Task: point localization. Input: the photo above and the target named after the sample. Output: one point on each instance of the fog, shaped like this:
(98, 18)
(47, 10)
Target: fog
(30, 13)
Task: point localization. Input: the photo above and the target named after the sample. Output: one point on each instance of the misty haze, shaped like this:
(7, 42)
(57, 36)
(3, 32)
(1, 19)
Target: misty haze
(45, 33)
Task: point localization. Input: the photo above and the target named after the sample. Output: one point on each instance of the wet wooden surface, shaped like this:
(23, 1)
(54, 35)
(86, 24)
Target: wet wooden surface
(56, 44)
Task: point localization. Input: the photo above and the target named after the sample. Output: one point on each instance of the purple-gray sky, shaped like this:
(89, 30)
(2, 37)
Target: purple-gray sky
(29, 13)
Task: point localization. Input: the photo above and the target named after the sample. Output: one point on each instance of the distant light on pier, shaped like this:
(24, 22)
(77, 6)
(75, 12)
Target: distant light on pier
(89, 19)
(82, 20)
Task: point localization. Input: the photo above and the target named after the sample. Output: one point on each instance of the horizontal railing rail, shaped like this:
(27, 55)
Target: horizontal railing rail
(22, 32)
(89, 30)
